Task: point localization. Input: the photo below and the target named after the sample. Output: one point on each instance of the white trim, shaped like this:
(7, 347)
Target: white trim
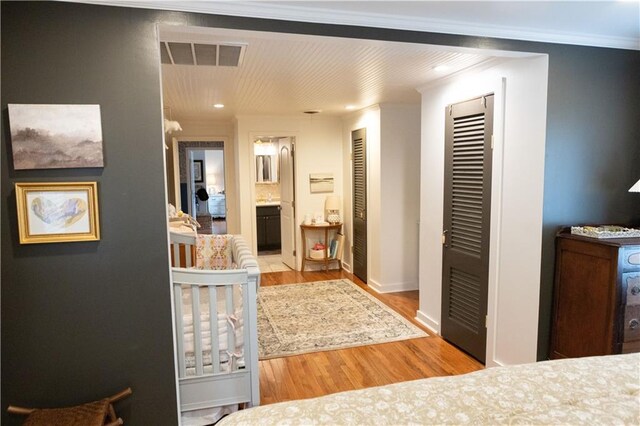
(430, 324)
(392, 288)
(496, 363)
(376, 20)
(495, 222)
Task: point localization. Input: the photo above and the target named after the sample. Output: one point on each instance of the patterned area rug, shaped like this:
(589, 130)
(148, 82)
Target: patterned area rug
(322, 316)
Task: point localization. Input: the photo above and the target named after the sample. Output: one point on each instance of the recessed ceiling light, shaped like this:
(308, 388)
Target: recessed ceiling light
(440, 68)
(350, 107)
(218, 105)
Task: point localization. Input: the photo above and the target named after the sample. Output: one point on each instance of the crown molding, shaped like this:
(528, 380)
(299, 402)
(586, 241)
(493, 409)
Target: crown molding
(340, 17)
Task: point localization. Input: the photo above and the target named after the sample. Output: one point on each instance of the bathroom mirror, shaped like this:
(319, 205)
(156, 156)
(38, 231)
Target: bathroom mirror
(266, 155)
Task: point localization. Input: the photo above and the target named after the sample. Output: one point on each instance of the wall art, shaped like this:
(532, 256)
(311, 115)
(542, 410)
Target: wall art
(321, 182)
(198, 175)
(57, 212)
(55, 136)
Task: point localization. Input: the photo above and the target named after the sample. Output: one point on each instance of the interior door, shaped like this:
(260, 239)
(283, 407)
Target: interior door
(467, 206)
(358, 139)
(287, 201)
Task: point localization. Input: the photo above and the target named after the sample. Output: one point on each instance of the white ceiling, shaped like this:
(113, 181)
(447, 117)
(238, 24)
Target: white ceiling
(288, 74)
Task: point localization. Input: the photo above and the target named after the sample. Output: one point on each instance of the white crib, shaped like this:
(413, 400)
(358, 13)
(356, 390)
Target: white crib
(216, 327)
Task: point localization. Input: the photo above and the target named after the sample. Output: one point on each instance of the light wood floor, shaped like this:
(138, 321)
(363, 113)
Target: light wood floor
(322, 373)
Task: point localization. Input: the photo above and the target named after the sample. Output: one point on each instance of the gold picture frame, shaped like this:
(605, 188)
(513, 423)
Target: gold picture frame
(57, 212)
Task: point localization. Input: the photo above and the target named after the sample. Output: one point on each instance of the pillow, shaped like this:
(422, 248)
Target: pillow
(213, 252)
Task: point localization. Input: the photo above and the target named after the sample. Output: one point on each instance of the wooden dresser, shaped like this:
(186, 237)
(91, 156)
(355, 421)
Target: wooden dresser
(596, 308)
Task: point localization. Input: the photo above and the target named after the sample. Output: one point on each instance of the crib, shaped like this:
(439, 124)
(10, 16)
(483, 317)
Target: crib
(216, 327)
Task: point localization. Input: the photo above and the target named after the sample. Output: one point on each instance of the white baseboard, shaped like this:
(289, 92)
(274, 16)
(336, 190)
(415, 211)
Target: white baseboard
(392, 288)
(431, 324)
(494, 363)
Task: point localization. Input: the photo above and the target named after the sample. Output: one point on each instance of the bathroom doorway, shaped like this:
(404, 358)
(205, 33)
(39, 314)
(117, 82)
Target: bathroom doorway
(275, 202)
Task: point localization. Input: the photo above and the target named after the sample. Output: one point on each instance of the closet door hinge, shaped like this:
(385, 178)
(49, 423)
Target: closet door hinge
(450, 109)
(294, 253)
(492, 142)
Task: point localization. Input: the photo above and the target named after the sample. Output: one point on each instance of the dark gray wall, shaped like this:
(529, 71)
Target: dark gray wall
(593, 150)
(81, 320)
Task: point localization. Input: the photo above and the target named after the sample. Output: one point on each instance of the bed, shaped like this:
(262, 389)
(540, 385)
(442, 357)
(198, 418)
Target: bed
(596, 390)
(216, 325)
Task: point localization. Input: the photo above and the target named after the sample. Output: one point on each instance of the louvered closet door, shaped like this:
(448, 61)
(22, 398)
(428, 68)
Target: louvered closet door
(467, 204)
(358, 138)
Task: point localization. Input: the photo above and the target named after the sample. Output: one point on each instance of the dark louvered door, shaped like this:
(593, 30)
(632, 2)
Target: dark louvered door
(467, 204)
(358, 138)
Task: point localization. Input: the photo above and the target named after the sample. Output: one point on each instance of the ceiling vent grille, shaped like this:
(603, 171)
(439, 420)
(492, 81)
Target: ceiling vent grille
(222, 55)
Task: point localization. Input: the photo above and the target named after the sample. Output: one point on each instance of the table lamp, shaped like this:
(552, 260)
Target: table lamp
(635, 188)
(332, 208)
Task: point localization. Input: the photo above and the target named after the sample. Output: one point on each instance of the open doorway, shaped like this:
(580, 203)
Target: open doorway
(263, 94)
(206, 189)
(201, 185)
(274, 201)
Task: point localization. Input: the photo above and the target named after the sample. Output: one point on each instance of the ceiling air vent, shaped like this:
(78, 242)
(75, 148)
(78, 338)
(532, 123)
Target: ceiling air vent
(222, 55)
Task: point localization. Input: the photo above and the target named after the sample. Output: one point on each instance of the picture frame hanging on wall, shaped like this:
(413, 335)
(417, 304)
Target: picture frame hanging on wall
(55, 136)
(321, 182)
(197, 171)
(57, 212)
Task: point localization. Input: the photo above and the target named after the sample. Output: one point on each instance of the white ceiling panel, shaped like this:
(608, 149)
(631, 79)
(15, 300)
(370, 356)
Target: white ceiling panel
(288, 74)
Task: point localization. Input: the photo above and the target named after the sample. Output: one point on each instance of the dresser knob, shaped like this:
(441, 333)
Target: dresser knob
(633, 324)
(635, 290)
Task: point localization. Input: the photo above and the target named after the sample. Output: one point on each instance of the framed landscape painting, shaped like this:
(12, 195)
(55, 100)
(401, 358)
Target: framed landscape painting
(55, 136)
(57, 212)
(321, 182)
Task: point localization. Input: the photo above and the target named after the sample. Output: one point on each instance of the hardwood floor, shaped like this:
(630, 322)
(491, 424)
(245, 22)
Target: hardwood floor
(322, 373)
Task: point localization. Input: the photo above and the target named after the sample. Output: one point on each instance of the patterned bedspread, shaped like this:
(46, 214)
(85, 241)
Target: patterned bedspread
(597, 390)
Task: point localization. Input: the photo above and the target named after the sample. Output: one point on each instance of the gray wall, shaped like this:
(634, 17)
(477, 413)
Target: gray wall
(81, 320)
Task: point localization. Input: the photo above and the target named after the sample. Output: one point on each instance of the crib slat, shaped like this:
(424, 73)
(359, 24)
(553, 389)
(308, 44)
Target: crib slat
(213, 324)
(175, 247)
(187, 256)
(197, 329)
(246, 326)
(182, 369)
(231, 334)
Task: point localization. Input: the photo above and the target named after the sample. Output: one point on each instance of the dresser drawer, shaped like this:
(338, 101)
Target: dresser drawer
(631, 258)
(631, 282)
(632, 323)
(631, 347)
